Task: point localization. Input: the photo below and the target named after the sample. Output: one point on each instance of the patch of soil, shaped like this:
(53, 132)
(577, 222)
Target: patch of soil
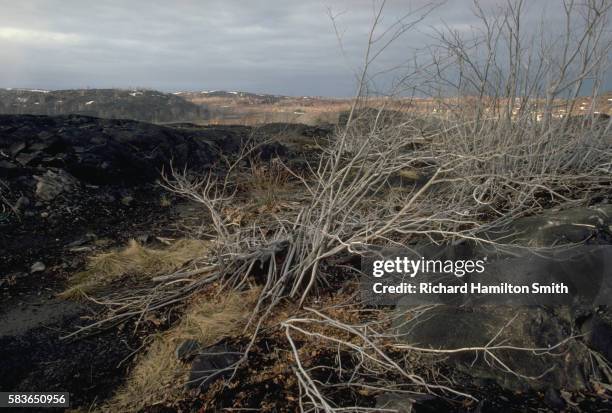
(33, 320)
(88, 368)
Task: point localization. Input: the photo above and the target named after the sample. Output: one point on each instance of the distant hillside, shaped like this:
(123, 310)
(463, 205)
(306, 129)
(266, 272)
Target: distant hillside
(238, 107)
(252, 98)
(143, 105)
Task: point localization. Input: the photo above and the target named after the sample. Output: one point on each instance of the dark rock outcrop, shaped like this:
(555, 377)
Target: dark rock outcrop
(211, 364)
(98, 151)
(566, 366)
(555, 227)
(571, 332)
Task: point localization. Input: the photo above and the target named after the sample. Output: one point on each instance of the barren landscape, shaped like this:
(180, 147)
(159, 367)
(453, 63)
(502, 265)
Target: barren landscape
(209, 251)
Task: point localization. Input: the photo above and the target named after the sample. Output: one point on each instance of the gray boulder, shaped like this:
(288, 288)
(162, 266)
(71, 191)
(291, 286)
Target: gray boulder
(444, 327)
(54, 183)
(555, 227)
(597, 330)
(37, 267)
(569, 366)
(407, 403)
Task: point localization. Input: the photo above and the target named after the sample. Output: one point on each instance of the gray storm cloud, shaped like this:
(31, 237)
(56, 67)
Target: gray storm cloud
(285, 47)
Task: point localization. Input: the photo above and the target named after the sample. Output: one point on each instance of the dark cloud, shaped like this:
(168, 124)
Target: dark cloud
(279, 46)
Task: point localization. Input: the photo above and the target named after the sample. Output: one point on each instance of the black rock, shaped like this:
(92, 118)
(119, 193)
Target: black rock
(211, 364)
(102, 151)
(553, 399)
(7, 165)
(598, 333)
(272, 150)
(22, 203)
(17, 147)
(89, 237)
(409, 403)
(26, 158)
(447, 327)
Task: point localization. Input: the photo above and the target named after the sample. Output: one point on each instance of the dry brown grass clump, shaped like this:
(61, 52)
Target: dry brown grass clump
(158, 375)
(137, 260)
(267, 181)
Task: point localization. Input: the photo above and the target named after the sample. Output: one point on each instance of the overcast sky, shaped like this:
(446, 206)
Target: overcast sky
(272, 46)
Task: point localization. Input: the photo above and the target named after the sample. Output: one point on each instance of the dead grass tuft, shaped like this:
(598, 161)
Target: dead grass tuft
(135, 259)
(158, 375)
(267, 181)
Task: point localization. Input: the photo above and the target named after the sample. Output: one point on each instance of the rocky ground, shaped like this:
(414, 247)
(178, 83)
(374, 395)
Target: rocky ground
(73, 186)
